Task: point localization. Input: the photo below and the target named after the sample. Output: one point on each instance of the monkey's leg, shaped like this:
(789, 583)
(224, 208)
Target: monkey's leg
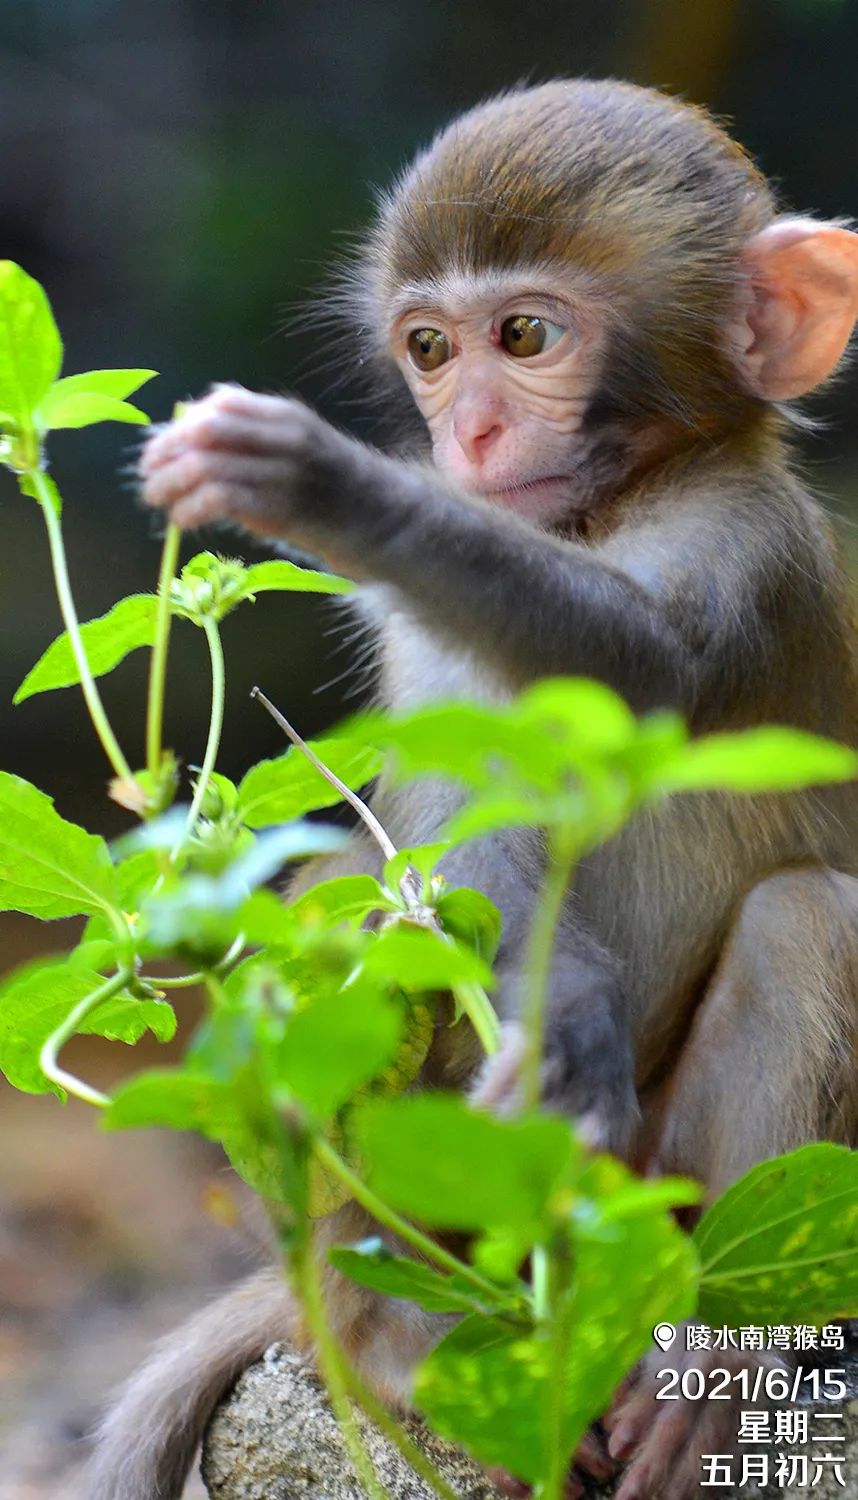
(770, 1065)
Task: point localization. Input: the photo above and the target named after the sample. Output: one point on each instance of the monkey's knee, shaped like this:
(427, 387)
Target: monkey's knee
(770, 1061)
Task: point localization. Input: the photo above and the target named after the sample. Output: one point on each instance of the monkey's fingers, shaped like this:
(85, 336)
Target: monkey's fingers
(668, 1459)
(516, 1489)
(191, 472)
(592, 1457)
(631, 1414)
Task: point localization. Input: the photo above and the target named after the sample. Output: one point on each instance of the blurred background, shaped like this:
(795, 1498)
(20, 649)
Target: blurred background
(179, 174)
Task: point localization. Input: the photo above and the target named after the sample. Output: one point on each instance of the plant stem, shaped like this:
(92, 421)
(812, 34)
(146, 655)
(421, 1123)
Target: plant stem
(396, 1434)
(481, 1013)
(540, 948)
(556, 1330)
(91, 694)
(392, 1221)
(364, 812)
(187, 981)
(332, 1361)
(58, 1038)
(215, 731)
(158, 663)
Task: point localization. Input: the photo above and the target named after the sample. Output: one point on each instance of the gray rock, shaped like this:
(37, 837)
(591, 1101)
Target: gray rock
(275, 1438)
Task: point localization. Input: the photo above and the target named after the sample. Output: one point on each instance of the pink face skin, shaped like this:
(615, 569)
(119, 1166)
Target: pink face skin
(503, 425)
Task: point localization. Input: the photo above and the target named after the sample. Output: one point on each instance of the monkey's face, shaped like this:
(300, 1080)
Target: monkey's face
(502, 367)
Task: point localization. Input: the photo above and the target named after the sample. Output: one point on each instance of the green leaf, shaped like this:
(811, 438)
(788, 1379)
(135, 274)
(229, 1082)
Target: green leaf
(287, 577)
(437, 1160)
(31, 351)
(588, 716)
(116, 384)
(336, 1044)
(48, 867)
(756, 760)
(346, 898)
(781, 1245)
(37, 999)
(472, 919)
(108, 640)
(484, 1369)
(83, 408)
(465, 741)
(372, 1264)
(173, 1098)
(276, 791)
(418, 958)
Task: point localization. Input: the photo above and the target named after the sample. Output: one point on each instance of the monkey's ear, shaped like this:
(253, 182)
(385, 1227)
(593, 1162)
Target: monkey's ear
(803, 305)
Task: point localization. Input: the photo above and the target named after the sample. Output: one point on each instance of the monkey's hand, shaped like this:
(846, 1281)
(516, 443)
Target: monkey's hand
(587, 1070)
(664, 1440)
(266, 463)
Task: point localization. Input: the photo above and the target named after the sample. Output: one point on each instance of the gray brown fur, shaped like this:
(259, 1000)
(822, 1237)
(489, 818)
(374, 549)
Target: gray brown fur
(703, 1003)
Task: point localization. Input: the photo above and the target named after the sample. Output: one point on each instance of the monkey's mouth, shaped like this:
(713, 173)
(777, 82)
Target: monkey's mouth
(541, 501)
(509, 492)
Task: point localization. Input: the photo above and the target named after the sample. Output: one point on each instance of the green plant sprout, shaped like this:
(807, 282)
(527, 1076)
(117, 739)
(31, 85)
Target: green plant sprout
(317, 1024)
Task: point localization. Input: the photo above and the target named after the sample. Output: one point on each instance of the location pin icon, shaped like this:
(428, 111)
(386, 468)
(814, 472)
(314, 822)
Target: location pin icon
(664, 1334)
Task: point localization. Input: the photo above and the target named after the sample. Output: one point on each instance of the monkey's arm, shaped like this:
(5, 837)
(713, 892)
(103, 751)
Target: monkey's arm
(531, 603)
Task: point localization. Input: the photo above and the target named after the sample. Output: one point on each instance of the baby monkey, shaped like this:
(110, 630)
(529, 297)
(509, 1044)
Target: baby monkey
(586, 295)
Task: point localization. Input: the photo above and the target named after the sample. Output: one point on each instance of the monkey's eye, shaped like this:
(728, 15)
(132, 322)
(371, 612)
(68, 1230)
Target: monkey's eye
(428, 348)
(523, 335)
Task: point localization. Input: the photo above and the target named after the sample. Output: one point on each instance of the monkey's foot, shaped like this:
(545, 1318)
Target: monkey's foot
(592, 1461)
(664, 1440)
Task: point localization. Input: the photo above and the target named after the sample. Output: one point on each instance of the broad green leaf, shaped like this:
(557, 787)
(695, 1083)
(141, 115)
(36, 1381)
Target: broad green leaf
(472, 919)
(30, 348)
(37, 999)
(114, 383)
(334, 1046)
(450, 1166)
(83, 408)
(465, 741)
(48, 867)
(372, 1264)
(288, 577)
(326, 1190)
(781, 1245)
(484, 1369)
(488, 811)
(173, 1098)
(276, 791)
(585, 714)
(135, 877)
(347, 898)
(487, 1386)
(756, 760)
(418, 958)
(108, 640)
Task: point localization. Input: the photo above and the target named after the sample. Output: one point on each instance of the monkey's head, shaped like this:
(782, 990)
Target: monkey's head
(580, 279)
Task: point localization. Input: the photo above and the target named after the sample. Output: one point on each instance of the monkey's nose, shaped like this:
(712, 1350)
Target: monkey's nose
(476, 435)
